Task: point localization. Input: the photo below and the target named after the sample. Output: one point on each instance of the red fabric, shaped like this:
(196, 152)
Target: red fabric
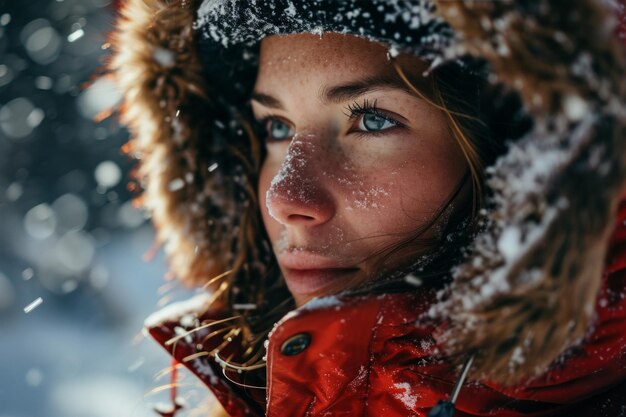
(367, 358)
(233, 398)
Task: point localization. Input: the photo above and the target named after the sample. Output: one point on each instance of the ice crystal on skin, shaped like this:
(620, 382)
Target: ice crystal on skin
(290, 175)
(357, 196)
(368, 199)
(294, 175)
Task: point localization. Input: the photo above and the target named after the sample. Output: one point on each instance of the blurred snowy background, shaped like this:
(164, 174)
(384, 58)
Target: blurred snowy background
(68, 231)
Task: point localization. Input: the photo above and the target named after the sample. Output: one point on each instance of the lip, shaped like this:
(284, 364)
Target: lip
(297, 258)
(310, 273)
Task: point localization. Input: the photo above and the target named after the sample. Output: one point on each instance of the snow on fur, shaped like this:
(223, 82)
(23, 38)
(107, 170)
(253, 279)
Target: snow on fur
(527, 290)
(406, 24)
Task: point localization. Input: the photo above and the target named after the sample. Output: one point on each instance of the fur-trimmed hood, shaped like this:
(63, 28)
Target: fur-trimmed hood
(530, 278)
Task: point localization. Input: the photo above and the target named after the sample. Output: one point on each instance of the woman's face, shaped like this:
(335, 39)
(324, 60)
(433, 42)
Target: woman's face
(356, 164)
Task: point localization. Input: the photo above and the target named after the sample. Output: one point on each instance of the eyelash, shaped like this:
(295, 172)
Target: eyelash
(356, 110)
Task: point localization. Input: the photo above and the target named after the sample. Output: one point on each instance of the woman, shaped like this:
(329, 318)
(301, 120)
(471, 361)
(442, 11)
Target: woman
(319, 168)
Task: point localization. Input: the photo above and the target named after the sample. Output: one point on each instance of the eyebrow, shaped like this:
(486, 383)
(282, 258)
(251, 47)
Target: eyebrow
(267, 100)
(342, 93)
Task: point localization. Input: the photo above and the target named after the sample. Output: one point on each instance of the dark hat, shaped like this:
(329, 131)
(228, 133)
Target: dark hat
(229, 31)
(404, 24)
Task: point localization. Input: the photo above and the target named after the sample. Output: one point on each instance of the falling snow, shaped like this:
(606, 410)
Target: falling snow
(66, 230)
(33, 305)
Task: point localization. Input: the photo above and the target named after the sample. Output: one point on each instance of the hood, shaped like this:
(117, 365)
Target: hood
(528, 282)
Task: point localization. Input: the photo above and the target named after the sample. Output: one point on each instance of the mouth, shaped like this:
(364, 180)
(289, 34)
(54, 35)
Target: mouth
(307, 273)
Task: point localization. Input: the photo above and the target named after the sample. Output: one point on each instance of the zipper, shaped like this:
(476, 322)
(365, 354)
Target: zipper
(446, 408)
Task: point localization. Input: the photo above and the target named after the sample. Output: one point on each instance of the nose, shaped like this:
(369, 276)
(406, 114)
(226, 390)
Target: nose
(298, 194)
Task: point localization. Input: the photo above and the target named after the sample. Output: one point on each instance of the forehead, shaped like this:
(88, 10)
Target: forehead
(320, 49)
(330, 56)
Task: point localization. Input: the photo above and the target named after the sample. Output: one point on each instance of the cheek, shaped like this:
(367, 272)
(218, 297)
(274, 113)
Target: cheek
(402, 190)
(362, 187)
(431, 188)
(384, 202)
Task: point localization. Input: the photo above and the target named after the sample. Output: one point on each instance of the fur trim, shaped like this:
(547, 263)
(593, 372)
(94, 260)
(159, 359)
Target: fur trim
(156, 66)
(528, 289)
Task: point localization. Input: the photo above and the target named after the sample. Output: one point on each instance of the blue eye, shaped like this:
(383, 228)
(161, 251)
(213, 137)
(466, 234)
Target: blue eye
(278, 130)
(370, 119)
(372, 122)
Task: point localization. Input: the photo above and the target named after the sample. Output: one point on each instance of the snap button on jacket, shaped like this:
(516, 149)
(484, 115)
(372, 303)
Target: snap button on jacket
(296, 344)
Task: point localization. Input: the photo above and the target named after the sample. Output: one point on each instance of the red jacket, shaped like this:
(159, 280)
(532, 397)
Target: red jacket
(367, 357)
